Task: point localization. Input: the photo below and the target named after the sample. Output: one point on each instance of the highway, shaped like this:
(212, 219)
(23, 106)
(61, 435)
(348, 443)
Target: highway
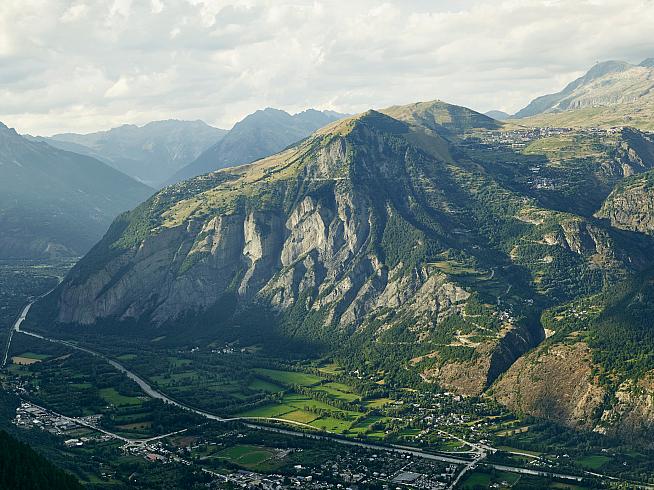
(15, 328)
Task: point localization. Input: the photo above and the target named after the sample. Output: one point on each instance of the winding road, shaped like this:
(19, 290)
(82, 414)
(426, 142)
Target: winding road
(152, 392)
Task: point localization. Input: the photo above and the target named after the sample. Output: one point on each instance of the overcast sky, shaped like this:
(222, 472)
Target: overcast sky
(83, 65)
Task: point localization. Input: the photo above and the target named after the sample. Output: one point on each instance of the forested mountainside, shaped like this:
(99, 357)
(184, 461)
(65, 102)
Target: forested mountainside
(22, 468)
(258, 135)
(57, 203)
(425, 240)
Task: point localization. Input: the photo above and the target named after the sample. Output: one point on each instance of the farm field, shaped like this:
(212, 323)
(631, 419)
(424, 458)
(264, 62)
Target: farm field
(114, 398)
(254, 458)
(482, 479)
(593, 462)
(289, 377)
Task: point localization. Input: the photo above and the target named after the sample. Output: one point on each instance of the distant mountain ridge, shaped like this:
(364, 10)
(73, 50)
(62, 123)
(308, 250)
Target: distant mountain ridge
(149, 153)
(612, 93)
(561, 100)
(54, 202)
(258, 135)
(498, 115)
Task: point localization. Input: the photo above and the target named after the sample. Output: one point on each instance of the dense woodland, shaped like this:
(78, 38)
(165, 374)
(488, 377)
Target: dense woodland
(23, 468)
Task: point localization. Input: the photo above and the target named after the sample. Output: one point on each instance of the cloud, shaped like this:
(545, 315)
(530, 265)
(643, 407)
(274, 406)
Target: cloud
(88, 65)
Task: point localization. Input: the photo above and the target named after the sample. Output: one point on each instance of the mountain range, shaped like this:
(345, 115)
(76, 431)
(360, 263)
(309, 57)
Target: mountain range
(611, 93)
(149, 153)
(55, 202)
(258, 135)
(425, 239)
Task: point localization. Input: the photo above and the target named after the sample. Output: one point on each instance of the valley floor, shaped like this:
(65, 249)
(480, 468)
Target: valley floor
(232, 415)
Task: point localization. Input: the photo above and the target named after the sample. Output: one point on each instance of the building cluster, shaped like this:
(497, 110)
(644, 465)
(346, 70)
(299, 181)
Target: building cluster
(30, 416)
(519, 138)
(352, 472)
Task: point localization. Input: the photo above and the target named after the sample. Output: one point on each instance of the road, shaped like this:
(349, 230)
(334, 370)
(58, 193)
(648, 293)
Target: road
(152, 392)
(21, 319)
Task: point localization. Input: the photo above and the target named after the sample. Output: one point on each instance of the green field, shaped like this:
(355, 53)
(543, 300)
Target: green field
(378, 402)
(339, 390)
(300, 408)
(451, 445)
(263, 385)
(270, 410)
(593, 461)
(331, 424)
(33, 355)
(114, 398)
(482, 479)
(254, 458)
(300, 416)
(290, 377)
(331, 369)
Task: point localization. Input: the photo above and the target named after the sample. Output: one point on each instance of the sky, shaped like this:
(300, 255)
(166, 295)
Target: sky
(84, 65)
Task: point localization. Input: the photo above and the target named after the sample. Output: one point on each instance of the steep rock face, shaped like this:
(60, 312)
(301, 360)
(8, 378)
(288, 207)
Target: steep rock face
(555, 383)
(493, 358)
(631, 414)
(631, 205)
(318, 250)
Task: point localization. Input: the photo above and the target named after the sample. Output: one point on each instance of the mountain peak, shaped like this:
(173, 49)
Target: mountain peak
(370, 119)
(647, 63)
(602, 68)
(258, 135)
(497, 115)
(586, 91)
(6, 129)
(440, 116)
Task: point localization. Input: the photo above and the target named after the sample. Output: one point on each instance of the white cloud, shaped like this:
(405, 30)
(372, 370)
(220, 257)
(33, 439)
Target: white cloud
(87, 65)
(74, 13)
(118, 89)
(156, 6)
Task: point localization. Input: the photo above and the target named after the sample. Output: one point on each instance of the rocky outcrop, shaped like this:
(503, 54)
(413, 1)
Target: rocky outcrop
(631, 205)
(492, 358)
(631, 413)
(554, 382)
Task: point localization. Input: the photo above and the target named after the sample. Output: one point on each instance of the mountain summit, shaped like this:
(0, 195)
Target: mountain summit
(613, 93)
(258, 135)
(563, 100)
